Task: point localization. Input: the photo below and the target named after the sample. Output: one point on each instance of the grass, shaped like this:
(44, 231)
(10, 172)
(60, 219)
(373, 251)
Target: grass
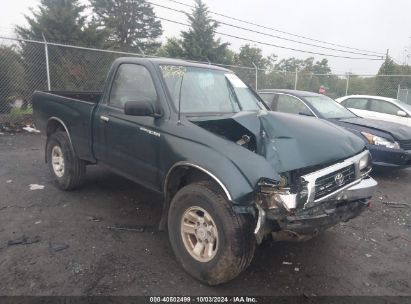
(18, 112)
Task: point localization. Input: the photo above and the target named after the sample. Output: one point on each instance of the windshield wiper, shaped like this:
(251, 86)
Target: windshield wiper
(347, 117)
(306, 114)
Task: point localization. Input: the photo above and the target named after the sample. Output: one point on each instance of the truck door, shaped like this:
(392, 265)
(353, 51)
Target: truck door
(131, 143)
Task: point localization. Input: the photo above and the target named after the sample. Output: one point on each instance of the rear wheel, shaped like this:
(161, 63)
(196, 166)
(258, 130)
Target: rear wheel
(212, 242)
(66, 168)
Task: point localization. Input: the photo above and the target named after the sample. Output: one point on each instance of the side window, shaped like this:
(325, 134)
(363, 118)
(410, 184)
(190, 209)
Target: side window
(267, 97)
(382, 106)
(355, 103)
(289, 104)
(132, 83)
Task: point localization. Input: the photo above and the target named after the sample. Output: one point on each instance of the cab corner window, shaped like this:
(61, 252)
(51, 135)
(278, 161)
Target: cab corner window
(132, 83)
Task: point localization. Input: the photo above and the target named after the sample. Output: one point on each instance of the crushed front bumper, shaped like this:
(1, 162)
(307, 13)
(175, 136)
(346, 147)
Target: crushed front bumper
(341, 207)
(362, 190)
(285, 215)
(306, 225)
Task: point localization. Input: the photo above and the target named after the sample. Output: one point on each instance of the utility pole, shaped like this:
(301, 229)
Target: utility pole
(296, 78)
(408, 53)
(256, 76)
(347, 84)
(404, 56)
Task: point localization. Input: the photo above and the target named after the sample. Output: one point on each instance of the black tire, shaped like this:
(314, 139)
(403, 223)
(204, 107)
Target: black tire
(235, 234)
(74, 168)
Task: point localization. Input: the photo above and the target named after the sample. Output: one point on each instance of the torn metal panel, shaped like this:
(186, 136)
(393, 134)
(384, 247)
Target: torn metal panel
(293, 142)
(288, 142)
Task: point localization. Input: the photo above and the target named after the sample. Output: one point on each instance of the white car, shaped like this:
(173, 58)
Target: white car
(377, 107)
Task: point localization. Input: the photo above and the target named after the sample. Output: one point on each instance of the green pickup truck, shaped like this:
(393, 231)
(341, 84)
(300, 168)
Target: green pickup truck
(231, 172)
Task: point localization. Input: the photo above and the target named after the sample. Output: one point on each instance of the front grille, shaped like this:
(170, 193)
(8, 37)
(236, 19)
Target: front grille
(329, 183)
(405, 144)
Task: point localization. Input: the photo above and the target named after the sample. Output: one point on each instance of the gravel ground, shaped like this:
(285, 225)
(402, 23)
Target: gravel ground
(369, 255)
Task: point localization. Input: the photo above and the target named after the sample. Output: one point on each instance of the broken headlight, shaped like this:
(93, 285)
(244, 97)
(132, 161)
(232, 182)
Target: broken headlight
(278, 195)
(303, 192)
(268, 186)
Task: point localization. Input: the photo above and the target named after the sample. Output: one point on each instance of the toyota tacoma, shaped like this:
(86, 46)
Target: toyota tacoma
(231, 172)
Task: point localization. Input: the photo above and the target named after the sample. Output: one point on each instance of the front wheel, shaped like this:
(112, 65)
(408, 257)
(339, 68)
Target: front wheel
(66, 168)
(212, 242)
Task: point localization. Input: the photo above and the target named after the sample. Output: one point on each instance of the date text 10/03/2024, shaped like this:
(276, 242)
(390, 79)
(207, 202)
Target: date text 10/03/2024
(239, 299)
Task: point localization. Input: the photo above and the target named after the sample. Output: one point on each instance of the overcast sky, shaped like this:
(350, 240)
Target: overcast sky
(374, 25)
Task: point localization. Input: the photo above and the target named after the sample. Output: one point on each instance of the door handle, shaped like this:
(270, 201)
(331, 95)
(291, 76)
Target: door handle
(104, 118)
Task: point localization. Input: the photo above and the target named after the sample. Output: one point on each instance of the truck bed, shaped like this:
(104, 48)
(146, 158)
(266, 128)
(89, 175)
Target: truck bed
(74, 110)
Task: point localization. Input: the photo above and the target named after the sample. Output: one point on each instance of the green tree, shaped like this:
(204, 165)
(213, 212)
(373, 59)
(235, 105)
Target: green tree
(291, 64)
(199, 42)
(60, 21)
(129, 24)
(303, 65)
(404, 82)
(321, 67)
(360, 85)
(11, 75)
(311, 75)
(171, 49)
(248, 57)
(387, 86)
(315, 75)
(388, 67)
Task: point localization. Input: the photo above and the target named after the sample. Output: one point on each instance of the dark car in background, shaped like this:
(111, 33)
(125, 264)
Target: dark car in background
(389, 143)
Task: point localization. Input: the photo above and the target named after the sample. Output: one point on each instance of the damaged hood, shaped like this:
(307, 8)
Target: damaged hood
(397, 131)
(294, 141)
(289, 142)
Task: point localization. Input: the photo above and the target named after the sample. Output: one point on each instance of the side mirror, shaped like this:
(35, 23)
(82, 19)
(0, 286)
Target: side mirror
(139, 108)
(401, 113)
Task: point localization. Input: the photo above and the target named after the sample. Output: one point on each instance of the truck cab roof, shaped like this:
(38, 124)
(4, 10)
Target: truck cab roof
(168, 61)
(290, 92)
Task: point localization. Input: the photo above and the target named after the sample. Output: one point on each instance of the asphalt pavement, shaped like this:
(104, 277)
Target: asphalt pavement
(101, 240)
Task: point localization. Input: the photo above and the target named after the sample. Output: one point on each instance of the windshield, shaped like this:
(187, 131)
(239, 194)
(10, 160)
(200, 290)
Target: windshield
(201, 90)
(328, 108)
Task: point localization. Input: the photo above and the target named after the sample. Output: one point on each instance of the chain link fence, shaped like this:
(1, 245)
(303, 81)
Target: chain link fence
(335, 86)
(26, 66)
(404, 94)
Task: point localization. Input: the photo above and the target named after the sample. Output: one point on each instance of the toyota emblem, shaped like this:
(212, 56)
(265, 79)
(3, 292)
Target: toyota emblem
(339, 179)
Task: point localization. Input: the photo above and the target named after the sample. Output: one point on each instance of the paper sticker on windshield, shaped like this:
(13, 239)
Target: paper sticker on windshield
(172, 71)
(235, 81)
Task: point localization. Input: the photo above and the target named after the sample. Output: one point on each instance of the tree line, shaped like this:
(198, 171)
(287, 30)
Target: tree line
(132, 26)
